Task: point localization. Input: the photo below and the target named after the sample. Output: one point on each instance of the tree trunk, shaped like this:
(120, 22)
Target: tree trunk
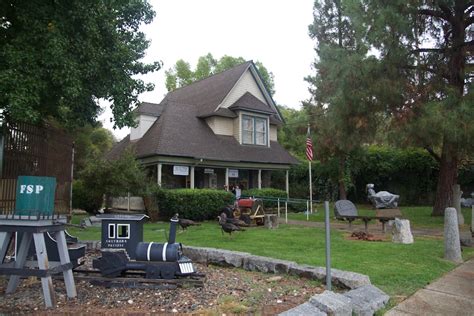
(341, 184)
(447, 178)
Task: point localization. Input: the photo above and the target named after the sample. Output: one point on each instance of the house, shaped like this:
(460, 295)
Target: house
(214, 133)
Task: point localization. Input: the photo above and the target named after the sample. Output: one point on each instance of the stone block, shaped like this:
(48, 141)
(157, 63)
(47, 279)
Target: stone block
(267, 265)
(196, 254)
(452, 246)
(367, 299)
(308, 272)
(401, 232)
(271, 221)
(332, 303)
(349, 280)
(305, 309)
(226, 257)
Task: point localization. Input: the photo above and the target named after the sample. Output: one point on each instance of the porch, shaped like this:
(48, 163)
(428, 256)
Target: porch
(174, 175)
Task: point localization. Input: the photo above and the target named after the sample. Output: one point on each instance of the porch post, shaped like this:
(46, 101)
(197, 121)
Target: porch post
(259, 178)
(192, 177)
(158, 174)
(227, 178)
(287, 184)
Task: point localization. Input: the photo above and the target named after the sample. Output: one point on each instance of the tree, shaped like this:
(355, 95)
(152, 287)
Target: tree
(90, 143)
(111, 178)
(58, 58)
(426, 52)
(341, 103)
(181, 74)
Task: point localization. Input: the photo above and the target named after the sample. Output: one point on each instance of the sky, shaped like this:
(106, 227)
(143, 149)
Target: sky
(272, 32)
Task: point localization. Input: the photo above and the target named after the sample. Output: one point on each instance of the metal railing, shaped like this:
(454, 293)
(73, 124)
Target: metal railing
(286, 202)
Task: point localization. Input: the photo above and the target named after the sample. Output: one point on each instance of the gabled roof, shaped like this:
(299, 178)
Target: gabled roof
(151, 109)
(189, 136)
(209, 92)
(249, 102)
(180, 129)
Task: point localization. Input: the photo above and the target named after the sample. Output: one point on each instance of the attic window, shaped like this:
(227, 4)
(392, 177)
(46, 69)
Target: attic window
(254, 130)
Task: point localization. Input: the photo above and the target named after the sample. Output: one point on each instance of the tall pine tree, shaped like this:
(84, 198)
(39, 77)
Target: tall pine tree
(426, 51)
(341, 104)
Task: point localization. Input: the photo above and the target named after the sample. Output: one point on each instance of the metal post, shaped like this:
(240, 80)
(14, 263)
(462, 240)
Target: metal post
(278, 207)
(72, 179)
(307, 210)
(128, 198)
(328, 247)
(286, 211)
(310, 188)
(287, 184)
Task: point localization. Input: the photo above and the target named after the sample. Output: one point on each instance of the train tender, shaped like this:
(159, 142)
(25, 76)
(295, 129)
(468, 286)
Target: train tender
(123, 249)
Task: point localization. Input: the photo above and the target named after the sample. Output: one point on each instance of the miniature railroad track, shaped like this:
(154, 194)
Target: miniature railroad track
(135, 279)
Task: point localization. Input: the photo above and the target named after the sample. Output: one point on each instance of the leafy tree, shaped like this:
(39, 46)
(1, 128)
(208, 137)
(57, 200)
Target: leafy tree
(426, 53)
(181, 74)
(112, 178)
(341, 103)
(58, 58)
(90, 143)
(292, 134)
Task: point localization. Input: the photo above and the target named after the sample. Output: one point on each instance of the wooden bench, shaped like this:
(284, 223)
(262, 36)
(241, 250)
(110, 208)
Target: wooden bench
(347, 211)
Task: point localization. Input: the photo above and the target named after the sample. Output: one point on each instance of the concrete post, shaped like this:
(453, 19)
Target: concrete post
(259, 178)
(452, 245)
(457, 193)
(158, 174)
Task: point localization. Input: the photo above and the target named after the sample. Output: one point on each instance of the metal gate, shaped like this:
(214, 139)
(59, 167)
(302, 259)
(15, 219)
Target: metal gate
(30, 150)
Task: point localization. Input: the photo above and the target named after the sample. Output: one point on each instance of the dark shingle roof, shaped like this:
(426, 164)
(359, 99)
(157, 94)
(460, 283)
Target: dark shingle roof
(249, 102)
(152, 109)
(208, 93)
(180, 129)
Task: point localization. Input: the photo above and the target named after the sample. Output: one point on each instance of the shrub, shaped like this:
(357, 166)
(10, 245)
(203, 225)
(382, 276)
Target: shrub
(85, 199)
(266, 193)
(195, 204)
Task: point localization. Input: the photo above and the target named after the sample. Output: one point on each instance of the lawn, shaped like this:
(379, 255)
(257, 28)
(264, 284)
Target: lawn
(397, 269)
(419, 216)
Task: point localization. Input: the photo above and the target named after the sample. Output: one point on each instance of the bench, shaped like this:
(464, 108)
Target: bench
(347, 211)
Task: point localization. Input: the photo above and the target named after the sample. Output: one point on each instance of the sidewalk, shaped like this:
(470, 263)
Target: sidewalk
(452, 294)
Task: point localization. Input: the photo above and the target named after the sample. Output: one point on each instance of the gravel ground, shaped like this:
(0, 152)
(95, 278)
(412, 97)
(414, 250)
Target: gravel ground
(225, 291)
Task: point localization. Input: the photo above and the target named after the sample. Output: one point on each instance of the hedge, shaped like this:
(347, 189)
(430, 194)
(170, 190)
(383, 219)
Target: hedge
(195, 204)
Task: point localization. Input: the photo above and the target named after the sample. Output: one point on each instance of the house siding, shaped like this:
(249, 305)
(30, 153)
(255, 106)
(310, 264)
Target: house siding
(221, 125)
(273, 133)
(144, 123)
(245, 84)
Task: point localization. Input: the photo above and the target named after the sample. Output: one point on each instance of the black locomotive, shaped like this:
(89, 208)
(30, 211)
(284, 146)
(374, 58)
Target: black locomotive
(123, 251)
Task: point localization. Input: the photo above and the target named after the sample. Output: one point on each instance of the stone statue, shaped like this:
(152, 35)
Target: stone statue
(381, 199)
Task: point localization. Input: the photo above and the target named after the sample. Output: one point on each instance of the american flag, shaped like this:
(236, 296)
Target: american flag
(309, 147)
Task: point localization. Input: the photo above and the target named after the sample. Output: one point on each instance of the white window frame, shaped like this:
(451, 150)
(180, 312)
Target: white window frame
(108, 231)
(254, 120)
(128, 231)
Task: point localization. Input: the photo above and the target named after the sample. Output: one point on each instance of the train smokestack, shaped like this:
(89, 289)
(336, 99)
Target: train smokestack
(173, 226)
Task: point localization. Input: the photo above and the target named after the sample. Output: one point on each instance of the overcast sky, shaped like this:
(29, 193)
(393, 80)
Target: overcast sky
(272, 32)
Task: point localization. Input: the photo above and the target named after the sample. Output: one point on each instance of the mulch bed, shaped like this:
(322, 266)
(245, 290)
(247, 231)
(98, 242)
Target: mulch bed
(225, 291)
(365, 236)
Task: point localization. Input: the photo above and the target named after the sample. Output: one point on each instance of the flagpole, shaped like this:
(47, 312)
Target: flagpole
(309, 171)
(310, 188)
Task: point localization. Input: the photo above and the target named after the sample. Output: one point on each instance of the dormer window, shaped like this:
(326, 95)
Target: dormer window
(254, 130)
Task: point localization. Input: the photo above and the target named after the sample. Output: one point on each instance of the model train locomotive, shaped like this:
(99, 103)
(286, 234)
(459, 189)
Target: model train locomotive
(122, 251)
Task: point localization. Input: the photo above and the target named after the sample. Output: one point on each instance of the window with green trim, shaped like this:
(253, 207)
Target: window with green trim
(254, 130)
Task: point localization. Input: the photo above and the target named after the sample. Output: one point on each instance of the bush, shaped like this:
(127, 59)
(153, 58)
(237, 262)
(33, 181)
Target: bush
(85, 199)
(195, 204)
(266, 193)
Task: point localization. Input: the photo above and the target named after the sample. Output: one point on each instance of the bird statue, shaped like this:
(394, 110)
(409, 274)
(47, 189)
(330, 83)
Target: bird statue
(228, 227)
(185, 223)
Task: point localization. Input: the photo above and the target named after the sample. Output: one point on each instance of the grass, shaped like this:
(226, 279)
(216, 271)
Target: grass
(397, 269)
(419, 216)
